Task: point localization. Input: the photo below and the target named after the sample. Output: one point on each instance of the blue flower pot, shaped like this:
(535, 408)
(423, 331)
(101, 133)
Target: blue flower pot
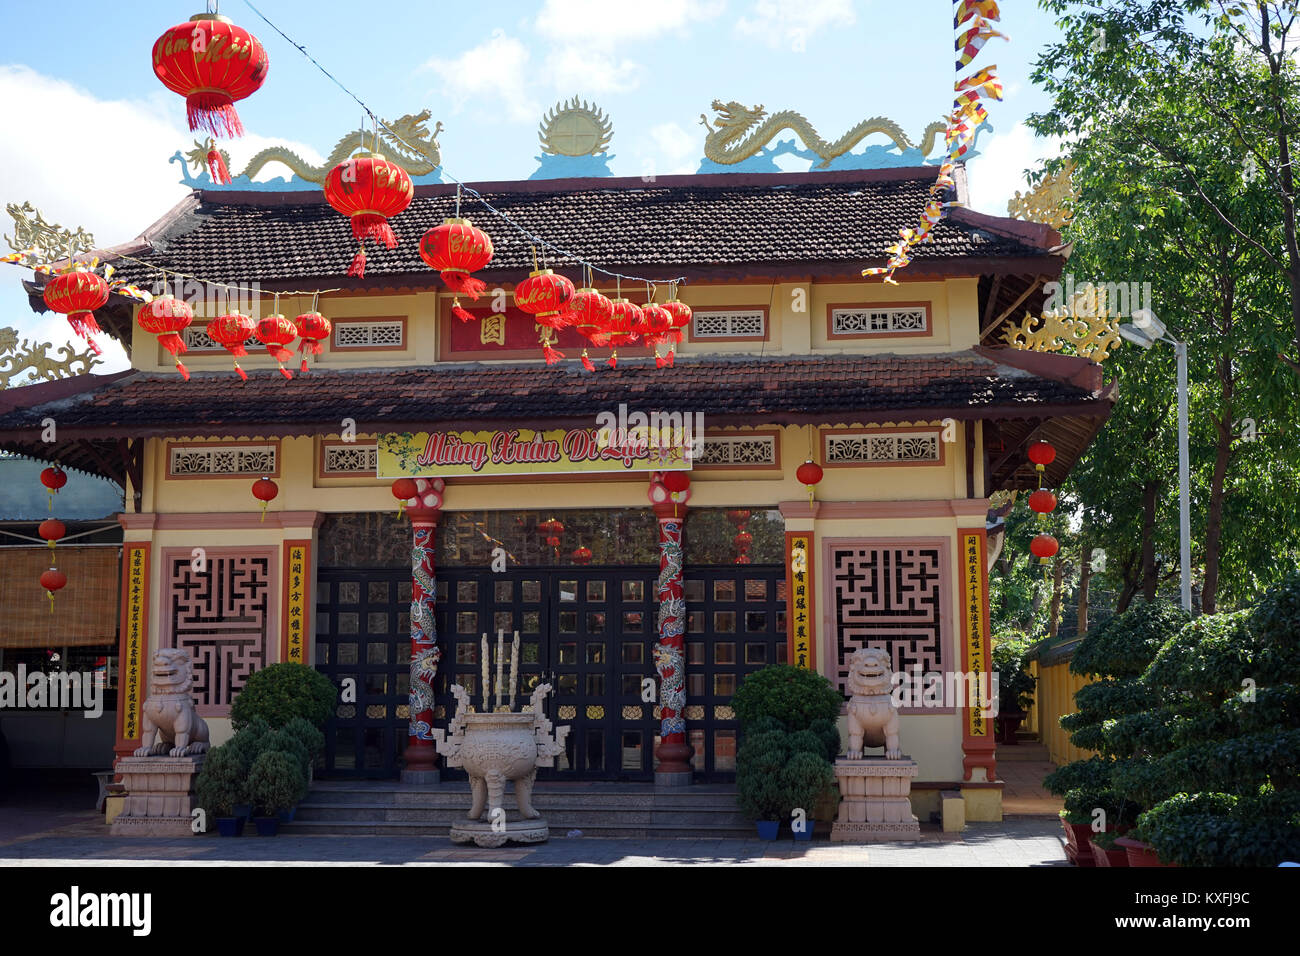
(768, 829)
(244, 811)
(267, 826)
(286, 816)
(230, 826)
(804, 834)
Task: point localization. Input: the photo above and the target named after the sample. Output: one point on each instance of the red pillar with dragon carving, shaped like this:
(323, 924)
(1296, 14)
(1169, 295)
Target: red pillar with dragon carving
(421, 759)
(673, 751)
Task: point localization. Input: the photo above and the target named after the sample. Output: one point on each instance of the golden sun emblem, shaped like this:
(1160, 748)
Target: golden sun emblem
(574, 129)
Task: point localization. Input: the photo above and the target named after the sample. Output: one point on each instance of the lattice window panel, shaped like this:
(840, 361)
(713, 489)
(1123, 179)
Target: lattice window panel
(738, 450)
(221, 617)
(351, 458)
(882, 448)
(889, 596)
(890, 321)
(222, 460)
(197, 340)
(369, 335)
(735, 323)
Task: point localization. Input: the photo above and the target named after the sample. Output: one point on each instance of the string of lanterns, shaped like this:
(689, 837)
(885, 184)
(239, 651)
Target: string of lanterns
(1043, 502)
(743, 539)
(52, 529)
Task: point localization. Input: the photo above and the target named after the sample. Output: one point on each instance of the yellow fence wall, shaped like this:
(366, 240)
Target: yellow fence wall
(1053, 699)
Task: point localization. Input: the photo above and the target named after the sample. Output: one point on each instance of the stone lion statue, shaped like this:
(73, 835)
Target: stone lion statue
(873, 719)
(171, 724)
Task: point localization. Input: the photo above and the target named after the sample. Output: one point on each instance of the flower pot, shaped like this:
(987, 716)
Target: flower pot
(768, 829)
(244, 811)
(1140, 854)
(286, 816)
(1008, 723)
(230, 826)
(267, 826)
(1116, 856)
(1078, 842)
(805, 833)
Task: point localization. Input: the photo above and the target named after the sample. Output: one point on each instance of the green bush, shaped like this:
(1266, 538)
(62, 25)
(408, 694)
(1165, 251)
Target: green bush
(222, 782)
(1124, 645)
(792, 695)
(764, 725)
(275, 783)
(807, 742)
(805, 780)
(286, 742)
(309, 735)
(1015, 683)
(1221, 829)
(829, 733)
(281, 692)
(248, 742)
(759, 763)
(1207, 659)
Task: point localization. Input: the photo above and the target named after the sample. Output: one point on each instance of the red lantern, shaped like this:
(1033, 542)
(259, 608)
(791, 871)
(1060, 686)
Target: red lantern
(809, 473)
(551, 528)
(1042, 501)
(742, 559)
(681, 313)
(743, 541)
(232, 331)
(370, 190)
(553, 541)
(53, 478)
(77, 294)
(739, 517)
(166, 317)
(313, 328)
(677, 481)
(590, 313)
(1041, 453)
(52, 529)
(581, 555)
(211, 62)
(1044, 546)
(53, 580)
(545, 296)
(656, 324)
(404, 489)
(275, 332)
(264, 490)
(622, 326)
(456, 249)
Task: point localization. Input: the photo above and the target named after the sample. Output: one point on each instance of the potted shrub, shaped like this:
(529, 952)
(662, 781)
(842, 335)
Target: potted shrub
(759, 793)
(275, 786)
(792, 695)
(1104, 851)
(311, 738)
(246, 744)
(805, 779)
(1015, 684)
(280, 692)
(221, 785)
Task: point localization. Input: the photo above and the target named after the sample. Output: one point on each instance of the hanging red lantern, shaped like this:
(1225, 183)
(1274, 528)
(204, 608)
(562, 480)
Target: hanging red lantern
(743, 541)
(275, 332)
(231, 331)
(404, 489)
(551, 528)
(622, 325)
(581, 555)
(52, 529)
(265, 490)
(53, 580)
(1042, 501)
(313, 328)
(553, 541)
(681, 313)
(166, 317)
(677, 481)
(742, 559)
(53, 478)
(545, 295)
(212, 63)
(656, 324)
(1044, 546)
(739, 517)
(810, 474)
(1042, 454)
(590, 312)
(370, 190)
(456, 249)
(77, 294)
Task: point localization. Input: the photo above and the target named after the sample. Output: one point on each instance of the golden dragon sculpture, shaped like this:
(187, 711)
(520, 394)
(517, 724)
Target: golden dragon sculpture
(741, 132)
(413, 148)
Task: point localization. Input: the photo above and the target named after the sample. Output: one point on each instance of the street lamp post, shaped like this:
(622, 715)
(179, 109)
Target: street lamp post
(1145, 332)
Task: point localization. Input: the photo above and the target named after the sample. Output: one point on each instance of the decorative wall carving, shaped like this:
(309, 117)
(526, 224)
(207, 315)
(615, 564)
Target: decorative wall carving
(222, 460)
(727, 324)
(878, 321)
(738, 450)
(879, 447)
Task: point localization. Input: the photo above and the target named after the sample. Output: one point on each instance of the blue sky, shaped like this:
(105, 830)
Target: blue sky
(89, 129)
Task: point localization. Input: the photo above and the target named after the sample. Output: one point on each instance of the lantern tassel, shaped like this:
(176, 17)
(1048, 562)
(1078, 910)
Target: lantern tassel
(285, 372)
(371, 225)
(242, 374)
(660, 361)
(613, 359)
(464, 283)
(358, 267)
(180, 367)
(84, 324)
(460, 312)
(672, 354)
(552, 355)
(586, 362)
(217, 167)
(263, 518)
(600, 339)
(51, 594)
(214, 111)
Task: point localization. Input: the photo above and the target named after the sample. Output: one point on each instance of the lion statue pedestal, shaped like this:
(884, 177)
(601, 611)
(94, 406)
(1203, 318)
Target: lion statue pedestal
(159, 778)
(875, 803)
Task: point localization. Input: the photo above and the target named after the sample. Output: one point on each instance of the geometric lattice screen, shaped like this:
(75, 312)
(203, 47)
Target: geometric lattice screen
(221, 616)
(889, 596)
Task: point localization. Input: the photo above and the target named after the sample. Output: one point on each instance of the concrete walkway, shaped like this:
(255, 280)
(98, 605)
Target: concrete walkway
(1022, 768)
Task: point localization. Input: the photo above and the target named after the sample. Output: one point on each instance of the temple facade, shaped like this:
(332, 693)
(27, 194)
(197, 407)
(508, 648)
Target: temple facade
(904, 395)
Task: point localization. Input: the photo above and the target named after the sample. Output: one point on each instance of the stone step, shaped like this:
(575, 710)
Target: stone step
(556, 814)
(590, 829)
(457, 795)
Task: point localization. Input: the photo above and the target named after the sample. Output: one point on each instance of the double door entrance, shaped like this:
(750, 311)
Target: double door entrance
(587, 631)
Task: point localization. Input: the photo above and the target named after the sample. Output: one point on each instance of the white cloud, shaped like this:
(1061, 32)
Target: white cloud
(495, 69)
(589, 23)
(999, 171)
(588, 72)
(790, 24)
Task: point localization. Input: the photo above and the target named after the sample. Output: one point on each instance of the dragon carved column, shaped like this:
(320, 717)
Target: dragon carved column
(424, 510)
(674, 752)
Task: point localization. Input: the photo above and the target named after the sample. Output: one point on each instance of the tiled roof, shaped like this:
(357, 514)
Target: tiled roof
(720, 224)
(785, 389)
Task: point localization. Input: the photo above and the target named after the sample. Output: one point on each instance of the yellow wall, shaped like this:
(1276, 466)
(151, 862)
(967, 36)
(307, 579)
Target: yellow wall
(1053, 699)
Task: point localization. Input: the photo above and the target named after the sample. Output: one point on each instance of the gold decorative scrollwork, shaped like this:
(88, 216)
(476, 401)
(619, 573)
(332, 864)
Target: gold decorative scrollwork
(1084, 327)
(1049, 202)
(42, 242)
(18, 356)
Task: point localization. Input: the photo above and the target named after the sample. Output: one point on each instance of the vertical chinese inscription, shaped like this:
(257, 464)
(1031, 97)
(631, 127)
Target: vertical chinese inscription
(972, 564)
(799, 574)
(134, 615)
(297, 584)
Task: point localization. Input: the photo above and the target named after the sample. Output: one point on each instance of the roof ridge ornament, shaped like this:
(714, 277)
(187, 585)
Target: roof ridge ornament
(575, 138)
